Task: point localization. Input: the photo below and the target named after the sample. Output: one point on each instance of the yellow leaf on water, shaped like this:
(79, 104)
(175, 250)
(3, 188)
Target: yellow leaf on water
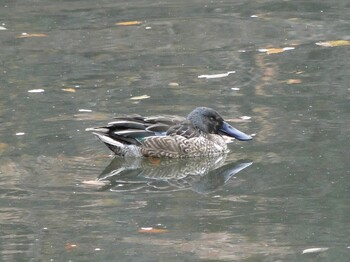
(278, 50)
(26, 35)
(140, 97)
(334, 43)
(126, 23)
(293, 81)
(69, 89)
(270, 51)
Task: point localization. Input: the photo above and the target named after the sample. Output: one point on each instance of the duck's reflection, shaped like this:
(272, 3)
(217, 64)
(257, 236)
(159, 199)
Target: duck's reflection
(202, 175)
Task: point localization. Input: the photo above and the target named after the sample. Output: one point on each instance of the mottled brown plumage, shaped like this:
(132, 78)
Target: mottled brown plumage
(169, 136)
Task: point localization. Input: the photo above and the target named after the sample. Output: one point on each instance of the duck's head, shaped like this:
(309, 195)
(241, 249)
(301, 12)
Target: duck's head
(209, 121)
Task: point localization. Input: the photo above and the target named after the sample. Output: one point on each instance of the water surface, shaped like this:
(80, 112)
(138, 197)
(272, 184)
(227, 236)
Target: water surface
(293, 197)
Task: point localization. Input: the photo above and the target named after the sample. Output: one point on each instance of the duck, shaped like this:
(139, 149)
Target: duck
(201, 133)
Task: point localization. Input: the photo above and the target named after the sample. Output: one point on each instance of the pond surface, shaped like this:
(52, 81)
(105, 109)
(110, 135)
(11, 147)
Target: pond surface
(67, 65)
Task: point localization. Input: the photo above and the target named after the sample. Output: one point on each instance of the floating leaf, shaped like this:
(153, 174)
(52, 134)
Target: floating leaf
(271, 51)
(3, 28)
(69, 89)
(70, 246)
(334, 43)
(20, 134)
(39, 90)
(293, 81)
(26, 35)
(85, 110)
(3, 146)
(217, 75)
(173, 84)
(152, 230)
(140, 97)
(127, 23)
(315, 250)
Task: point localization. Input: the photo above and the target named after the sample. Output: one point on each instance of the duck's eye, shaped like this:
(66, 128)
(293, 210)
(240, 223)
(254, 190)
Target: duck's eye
(212, 118)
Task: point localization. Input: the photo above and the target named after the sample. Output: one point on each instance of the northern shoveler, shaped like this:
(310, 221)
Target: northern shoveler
(199, 134)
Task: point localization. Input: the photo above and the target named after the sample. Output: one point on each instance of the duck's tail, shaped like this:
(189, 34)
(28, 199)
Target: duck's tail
(117, 147)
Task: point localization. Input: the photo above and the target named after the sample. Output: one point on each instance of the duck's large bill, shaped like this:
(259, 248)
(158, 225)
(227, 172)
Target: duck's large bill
(229, 130)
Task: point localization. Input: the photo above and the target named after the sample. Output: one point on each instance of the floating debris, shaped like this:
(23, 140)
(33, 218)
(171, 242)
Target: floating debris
(140, 97)
(314, 250)
(69, 89)
(152, 230)
(217, 75)
(293, 81)
(334, 43)
(94, 182)
(245, 117)
(128, 23)
(36, 90)
(26, 35)
(270, 51)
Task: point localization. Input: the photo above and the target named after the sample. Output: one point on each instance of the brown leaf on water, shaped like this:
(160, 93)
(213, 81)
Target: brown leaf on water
(26, 35)
(274, 51)
(128, 23)
(70, 246)
(3, 146)
(69, 89)
(277, 50)
(334, 43)
(293, 81)
(152, 230)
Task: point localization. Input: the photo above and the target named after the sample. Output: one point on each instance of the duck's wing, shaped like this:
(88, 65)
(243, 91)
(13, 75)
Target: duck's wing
(133, 129)
(169, 120)
(185, 129)
(160, 124)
